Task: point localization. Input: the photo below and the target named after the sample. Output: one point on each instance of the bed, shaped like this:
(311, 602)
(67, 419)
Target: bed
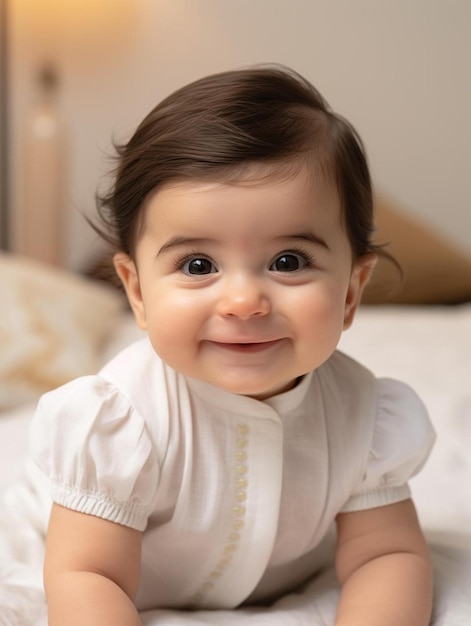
(56, 325)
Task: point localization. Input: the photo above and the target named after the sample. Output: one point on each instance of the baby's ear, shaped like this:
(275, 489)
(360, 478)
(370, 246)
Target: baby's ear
(129, 276)
(361, 274)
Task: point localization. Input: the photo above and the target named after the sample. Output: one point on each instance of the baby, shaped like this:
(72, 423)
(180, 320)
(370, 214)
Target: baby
(203, 466)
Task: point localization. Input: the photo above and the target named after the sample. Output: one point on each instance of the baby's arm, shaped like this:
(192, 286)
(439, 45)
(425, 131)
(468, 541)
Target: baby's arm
(383, 566)
(91, 570)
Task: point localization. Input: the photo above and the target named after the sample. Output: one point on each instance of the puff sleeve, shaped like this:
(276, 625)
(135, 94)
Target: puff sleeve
(96, 451)
(403, 437)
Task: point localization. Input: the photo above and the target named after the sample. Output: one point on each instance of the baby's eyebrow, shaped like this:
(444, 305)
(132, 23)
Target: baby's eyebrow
(175, 242)
(309, 237)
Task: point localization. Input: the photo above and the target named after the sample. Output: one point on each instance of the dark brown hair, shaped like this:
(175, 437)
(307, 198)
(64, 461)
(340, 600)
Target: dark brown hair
(215, 127)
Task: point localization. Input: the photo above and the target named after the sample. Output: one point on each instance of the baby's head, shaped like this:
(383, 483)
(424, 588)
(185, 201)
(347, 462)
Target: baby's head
(232, 125)
(243, 214)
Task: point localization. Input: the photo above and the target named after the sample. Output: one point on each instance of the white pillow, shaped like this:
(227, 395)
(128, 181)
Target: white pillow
(53, 325)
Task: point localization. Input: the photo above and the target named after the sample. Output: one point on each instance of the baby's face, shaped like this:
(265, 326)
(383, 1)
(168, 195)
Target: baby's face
(245, 286)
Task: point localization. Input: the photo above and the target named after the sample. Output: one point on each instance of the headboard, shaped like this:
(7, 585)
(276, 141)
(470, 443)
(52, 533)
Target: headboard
(435, 270)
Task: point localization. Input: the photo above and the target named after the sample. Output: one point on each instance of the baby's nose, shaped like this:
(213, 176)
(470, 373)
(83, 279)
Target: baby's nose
(244, 299)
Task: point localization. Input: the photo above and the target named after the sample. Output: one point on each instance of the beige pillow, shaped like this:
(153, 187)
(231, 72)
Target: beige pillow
(435, 270)
(53, 325)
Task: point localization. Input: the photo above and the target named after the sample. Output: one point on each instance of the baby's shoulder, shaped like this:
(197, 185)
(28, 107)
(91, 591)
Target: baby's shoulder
(131, 360)
(352, 389)
(136, 370)
(347, 376)
(150, 385)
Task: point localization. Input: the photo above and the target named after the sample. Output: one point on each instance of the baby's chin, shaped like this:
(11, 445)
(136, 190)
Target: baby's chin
(257, 392)
(274, 392)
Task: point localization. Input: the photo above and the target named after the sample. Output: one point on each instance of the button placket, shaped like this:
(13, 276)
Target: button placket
(240, 486)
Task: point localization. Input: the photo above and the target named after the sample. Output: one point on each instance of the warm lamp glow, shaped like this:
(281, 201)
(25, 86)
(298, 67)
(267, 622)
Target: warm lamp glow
(84, 30)
(56, 40)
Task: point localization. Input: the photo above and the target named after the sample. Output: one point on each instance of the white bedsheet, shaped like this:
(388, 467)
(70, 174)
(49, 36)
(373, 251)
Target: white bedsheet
(430, 348)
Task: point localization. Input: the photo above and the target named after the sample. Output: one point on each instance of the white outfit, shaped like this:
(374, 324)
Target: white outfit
(233, 494)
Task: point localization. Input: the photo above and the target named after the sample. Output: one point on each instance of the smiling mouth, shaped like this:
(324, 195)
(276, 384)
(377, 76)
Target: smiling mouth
(247, 348)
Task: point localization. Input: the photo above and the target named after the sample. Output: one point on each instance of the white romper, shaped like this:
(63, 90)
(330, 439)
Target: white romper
(233, 494)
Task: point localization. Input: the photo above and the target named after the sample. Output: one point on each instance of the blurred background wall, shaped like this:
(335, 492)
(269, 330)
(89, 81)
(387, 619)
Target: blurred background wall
(399, 70)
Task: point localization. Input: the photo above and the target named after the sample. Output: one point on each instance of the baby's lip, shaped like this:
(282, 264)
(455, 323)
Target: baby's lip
(246, 340)
(244, 345)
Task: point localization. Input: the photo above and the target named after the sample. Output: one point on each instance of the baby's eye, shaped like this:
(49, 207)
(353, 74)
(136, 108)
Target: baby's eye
(288, 262)
(198, 266)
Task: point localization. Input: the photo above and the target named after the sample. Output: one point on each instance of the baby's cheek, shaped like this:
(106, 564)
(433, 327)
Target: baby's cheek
(324, 323)
(171, 334)
(327, 306)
